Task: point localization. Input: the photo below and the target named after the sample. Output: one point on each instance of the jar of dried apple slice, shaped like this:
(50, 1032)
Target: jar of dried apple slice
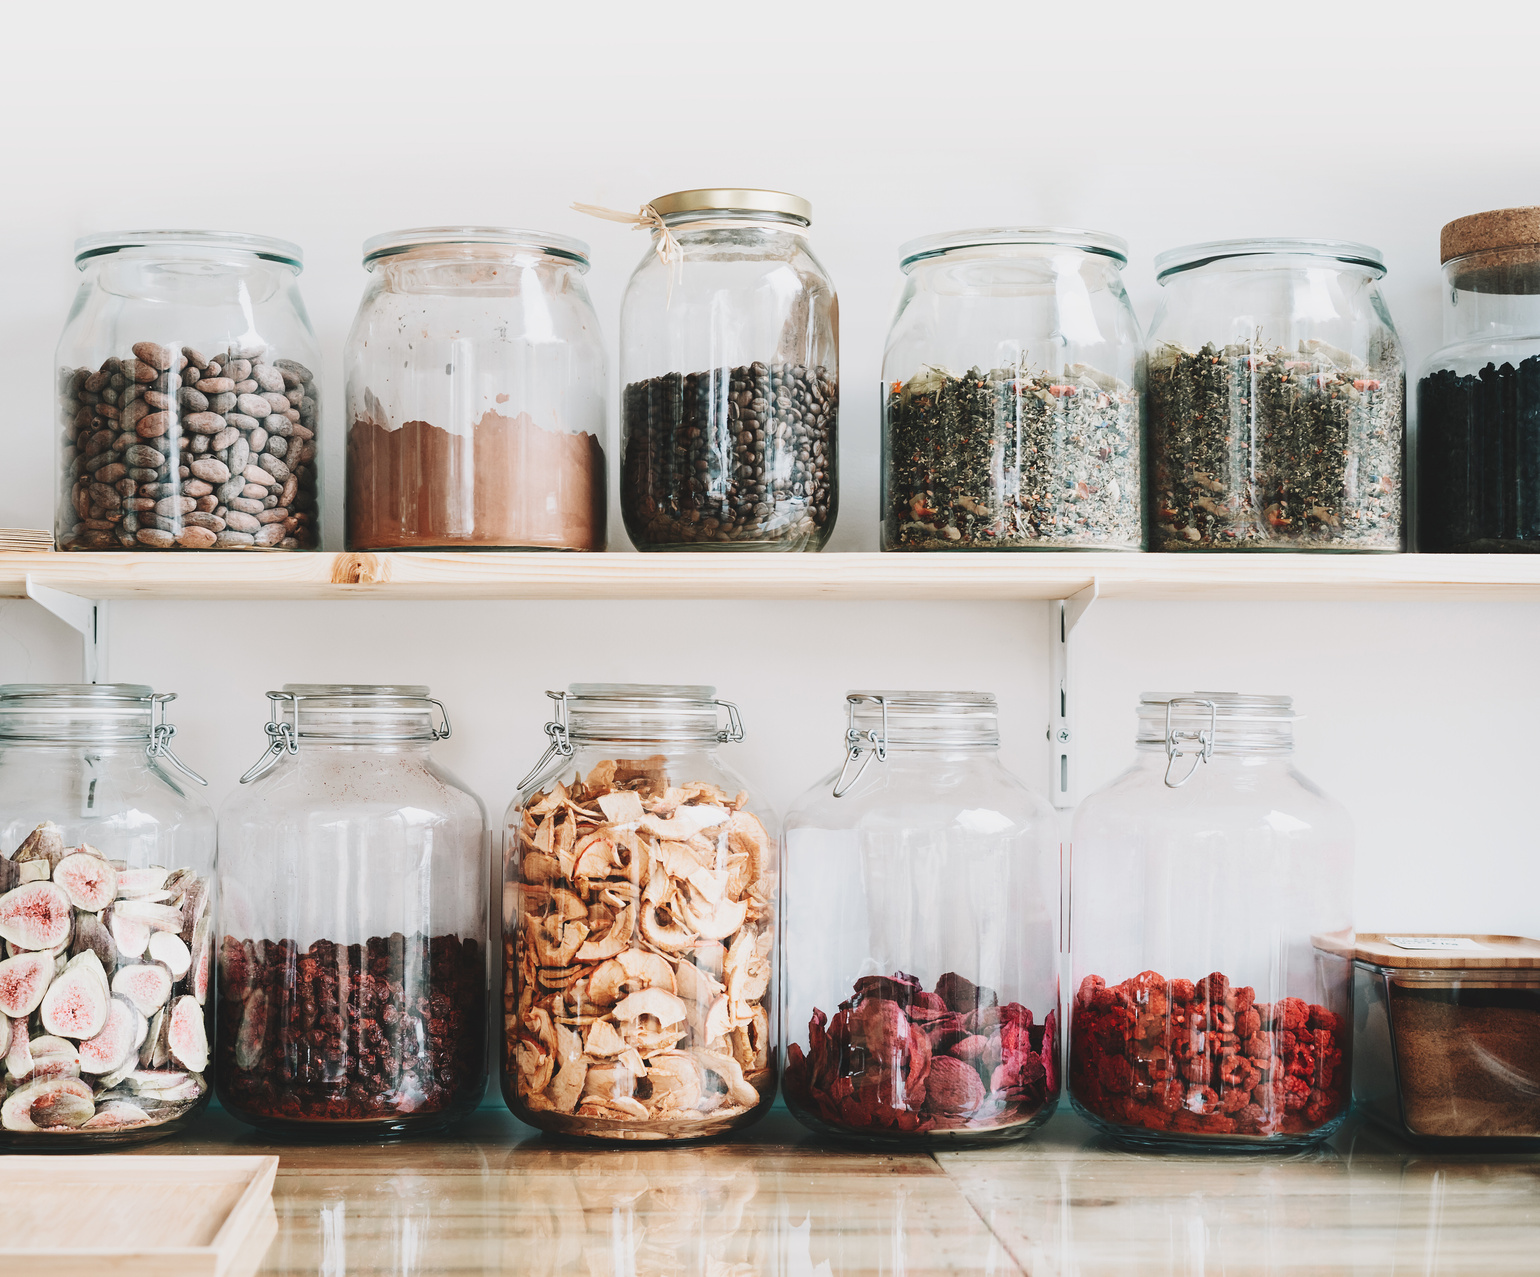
(639, 888)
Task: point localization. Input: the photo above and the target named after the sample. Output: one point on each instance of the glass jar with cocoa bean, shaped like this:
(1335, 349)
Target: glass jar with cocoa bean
(352, 972)
(919, 972)
(187, 396)
(1211, 930)
(639, 895)
(476, 379)
(729, 359)
(1011, 397)
(106, 909)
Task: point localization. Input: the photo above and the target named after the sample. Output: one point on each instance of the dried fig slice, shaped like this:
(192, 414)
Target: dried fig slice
(45, 843)
(155, 917)
(16, 1112)
(168, 948)
(117, 1115)
(147, 985)
(203, 960)
(76, 1004)
(35, 916)
(132, 938)
(91, 933)
(186, 1035)
(24, 980)
(134, 884)
(10, 875)
(61, 1110)
(5, 1036)
(118, 1041)
(18, 1055)
(89, 881)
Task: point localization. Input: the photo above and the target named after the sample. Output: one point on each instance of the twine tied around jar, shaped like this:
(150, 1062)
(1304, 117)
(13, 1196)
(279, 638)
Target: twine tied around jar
(667, 248)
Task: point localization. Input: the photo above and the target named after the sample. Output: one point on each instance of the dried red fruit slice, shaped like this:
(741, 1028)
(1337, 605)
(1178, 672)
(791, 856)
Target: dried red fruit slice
(35, 916)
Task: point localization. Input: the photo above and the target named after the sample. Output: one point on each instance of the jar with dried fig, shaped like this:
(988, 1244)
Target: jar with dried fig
(106, 895)
(639, 888)
(352, 968)
(921, 907)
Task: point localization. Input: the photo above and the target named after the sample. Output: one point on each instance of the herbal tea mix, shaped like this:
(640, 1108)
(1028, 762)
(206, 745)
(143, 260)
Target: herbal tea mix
(1258, 447)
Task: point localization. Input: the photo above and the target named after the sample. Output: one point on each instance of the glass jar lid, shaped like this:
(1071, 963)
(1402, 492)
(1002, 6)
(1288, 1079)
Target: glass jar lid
(347, 713)
(1006, 237)
(640, 712)
(515, 239)
(69, 711)
(1199, 723)
(734, 200)
(1175, 260)
(925, 720)
(198, 242)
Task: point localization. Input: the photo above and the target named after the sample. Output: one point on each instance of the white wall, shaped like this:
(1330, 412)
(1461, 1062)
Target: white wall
(1165, 124)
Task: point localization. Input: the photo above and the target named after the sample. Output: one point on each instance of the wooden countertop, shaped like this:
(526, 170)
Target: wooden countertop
(494, 1196)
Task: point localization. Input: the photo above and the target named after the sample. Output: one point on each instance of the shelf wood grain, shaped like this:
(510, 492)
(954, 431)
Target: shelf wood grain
(920, 577)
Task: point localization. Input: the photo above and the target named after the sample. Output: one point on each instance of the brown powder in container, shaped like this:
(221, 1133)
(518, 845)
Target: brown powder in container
(1469, 1059)
(509, 484)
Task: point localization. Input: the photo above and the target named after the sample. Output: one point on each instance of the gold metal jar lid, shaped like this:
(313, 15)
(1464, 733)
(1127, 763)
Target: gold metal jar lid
(733, 200)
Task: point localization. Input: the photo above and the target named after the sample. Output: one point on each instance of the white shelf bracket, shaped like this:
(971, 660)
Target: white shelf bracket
(1063, 616)
(88, 616)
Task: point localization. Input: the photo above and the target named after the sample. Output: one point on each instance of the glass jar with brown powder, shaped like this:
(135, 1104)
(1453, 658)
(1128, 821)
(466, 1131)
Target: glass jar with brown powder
(476, 383)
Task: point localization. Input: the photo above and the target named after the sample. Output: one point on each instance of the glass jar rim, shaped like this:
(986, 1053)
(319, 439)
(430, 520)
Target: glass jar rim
(914, 251)
(1191, 256)
(265, 247)
(350, 709)
(393, 243)
(636, 712)
(922, 719)
(118, 711)
(1238, 721)
(736, 199)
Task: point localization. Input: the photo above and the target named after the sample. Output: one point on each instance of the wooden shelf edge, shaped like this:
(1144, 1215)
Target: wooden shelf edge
(865, 576)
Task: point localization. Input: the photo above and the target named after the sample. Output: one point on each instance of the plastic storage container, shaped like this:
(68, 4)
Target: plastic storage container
(1210, 923)
(1446, 1038)
(476, 381)
(729, 355)
(1275, 408)
(639, 894)
(1011, 403)
(105, 907)
(352, 975)
(920, 960)
(187, 398)
(1478, 399)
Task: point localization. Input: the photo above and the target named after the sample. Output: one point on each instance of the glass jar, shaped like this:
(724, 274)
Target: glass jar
(920, 961)
(105, 907)
(1276, 400)
(1478, 398)
(729, 354)
(352, 974)
(476, 379)
(639, 891)
(1211, 930)
(187, 403)
(1010, 416)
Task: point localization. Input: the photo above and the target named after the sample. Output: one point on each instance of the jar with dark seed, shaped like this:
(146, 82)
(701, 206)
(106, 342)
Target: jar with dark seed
(729, 354)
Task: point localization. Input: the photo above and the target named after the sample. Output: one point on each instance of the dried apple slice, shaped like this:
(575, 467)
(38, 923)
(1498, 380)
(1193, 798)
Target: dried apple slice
(89, 881)
(35, 916)
(24, 980)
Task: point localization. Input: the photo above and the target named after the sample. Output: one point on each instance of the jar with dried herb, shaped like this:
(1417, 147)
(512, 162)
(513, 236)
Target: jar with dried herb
(352, 969)
(639, 898)
(1276, 400)
(1011, 398)
(919, 984)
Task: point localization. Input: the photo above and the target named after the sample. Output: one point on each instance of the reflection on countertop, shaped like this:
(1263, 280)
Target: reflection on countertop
(493, 1196)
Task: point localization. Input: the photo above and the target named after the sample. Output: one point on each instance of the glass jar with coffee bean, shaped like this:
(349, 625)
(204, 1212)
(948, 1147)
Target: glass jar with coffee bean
(187, 398)
(1011, 403)
(729, 354)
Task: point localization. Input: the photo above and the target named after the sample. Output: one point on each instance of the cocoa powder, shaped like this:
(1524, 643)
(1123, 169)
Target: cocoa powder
(510, 483)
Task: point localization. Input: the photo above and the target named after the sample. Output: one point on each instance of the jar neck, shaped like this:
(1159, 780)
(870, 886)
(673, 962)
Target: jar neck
(1487, 302)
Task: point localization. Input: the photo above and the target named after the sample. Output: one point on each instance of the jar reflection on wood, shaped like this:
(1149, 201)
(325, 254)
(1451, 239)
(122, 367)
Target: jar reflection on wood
(1275, 404)
(638, 923)
(352, 977)
(106, 909)
(919, 982)
(476, 378)
(1210, 915)
(1011, 403)
(187, 397)
(729, 352)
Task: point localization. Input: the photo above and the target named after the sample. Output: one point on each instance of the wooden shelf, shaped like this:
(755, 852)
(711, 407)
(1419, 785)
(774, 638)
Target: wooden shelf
(921, 577)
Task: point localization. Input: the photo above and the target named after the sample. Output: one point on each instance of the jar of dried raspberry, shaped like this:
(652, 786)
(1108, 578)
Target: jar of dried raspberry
(639, 897)
(1212, 933)
(919, 983)
(352, 966)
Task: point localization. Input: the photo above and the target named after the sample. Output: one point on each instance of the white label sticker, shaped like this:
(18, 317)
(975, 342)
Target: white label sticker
(1434, 942)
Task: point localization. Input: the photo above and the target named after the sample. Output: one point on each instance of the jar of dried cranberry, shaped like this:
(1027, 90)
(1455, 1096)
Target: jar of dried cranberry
(920, 986)
(352, 972)
(1211, 930)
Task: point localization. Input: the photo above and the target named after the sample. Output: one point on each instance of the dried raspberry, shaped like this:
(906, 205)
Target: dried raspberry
(1292, 1014)
(1183, 991)
(1212, 988)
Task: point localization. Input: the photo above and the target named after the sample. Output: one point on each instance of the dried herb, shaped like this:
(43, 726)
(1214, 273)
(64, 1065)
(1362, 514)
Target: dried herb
(1004, 459)
(1254, 447)
(1204, 1059)
(1478, 460)
(897, 1060)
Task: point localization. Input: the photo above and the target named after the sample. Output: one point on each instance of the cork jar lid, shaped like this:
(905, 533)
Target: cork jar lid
(1494, 252)
(1440, 951)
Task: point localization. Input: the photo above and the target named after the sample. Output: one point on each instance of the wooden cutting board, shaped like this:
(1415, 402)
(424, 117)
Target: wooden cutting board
(168, 1216)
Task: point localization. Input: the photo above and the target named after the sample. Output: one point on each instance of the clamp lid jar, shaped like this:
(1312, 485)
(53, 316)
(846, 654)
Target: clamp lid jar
(1011, 398)
(106, 895)
(919, 979)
